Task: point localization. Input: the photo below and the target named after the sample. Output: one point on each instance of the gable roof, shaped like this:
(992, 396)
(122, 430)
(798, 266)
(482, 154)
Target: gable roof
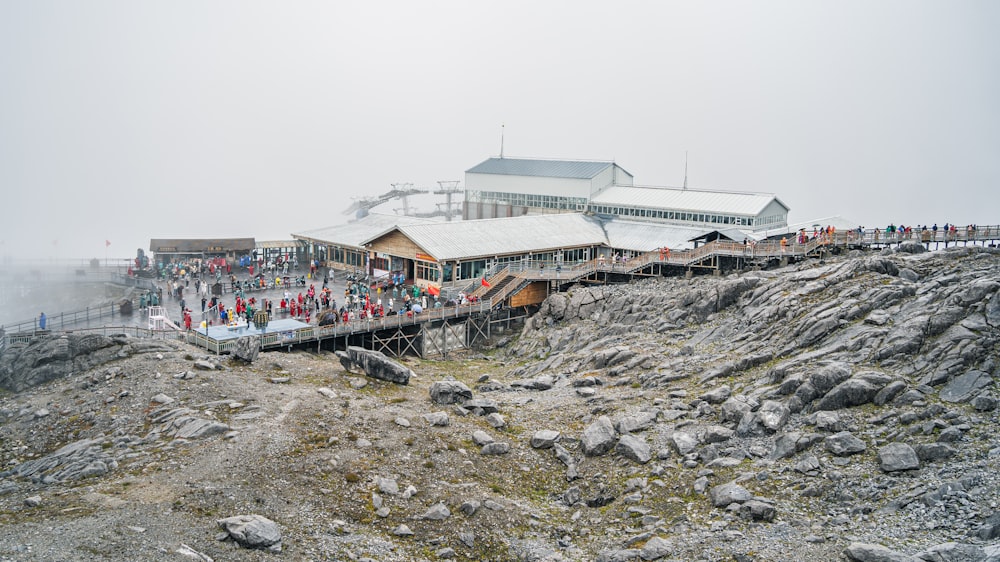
(675, 198)
(355, 233)
(574, 169)
(491, 237)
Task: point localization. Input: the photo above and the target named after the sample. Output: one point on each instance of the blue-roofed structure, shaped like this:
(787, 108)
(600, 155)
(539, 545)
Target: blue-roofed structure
(574, 169)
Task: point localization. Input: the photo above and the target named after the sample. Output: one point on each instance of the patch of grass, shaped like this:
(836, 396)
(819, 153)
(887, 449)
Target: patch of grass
(352, 478)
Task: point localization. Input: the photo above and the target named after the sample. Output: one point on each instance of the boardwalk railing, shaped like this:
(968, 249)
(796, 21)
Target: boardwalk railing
(7, 338)
(342, 329)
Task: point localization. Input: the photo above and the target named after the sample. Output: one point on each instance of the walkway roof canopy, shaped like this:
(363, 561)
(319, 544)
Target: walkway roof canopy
(695, 200)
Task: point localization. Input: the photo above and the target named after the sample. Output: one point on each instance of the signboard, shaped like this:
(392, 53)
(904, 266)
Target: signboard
(425, 257)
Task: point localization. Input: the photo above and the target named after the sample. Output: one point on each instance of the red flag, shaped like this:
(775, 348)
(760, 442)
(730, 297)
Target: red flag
(485, 283)
(433, 291)
(107, 243)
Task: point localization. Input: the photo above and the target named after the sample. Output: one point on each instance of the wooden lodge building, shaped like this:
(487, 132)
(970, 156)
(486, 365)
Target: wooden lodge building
(167, 250)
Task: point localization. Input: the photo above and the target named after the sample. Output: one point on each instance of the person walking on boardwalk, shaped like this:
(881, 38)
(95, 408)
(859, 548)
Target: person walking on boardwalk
(42, 321)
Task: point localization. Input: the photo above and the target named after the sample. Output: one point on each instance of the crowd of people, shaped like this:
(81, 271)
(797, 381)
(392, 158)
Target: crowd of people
(297, 298)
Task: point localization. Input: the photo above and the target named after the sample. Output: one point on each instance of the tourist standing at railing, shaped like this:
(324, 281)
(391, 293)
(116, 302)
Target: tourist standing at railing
(42, 321)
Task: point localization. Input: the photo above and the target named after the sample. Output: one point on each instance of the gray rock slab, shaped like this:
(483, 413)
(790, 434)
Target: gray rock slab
(684, 441)
(634, 448)
(544, 439)
(376, 365)
(656, 548)
(480, 437)
(449, 392)
(730, 492)
(495, 448)
(844, 443)
(437, 512)
(252, 531)
(963, 387)
(437, 418)
(862, 552)
(898, 456)
(598, 438)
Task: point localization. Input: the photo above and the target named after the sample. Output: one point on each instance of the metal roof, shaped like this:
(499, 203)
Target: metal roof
(544, 168)
(275, 244)
(675, 198)
(646, 237)
(355, 233)
(492, 237)
(200, 245)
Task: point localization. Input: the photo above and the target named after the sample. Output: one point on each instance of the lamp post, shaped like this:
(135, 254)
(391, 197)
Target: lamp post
(260, 319)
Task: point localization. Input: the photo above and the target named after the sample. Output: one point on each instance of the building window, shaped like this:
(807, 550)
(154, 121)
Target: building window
(427, 271)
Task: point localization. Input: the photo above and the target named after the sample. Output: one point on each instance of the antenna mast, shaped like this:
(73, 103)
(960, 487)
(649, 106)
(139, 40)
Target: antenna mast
(501, 140)
(685, 169)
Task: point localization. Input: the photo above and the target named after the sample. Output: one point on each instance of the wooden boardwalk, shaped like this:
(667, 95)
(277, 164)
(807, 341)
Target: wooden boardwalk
(441, 330)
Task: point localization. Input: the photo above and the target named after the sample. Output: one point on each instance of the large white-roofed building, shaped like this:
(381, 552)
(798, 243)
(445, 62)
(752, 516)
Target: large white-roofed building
(510, 187)
(442, 253)
(693, 207)
(507, 187)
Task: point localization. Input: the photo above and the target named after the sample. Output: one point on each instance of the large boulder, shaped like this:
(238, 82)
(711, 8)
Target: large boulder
(253, 531)
(730, 492)
(898, 456)
(247, 348)
(635, 448)
(844, 443)
(377, 366)
(598, 438)
(450, 392)
(49, 357)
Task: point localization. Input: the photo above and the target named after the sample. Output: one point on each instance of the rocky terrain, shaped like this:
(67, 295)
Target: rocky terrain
(842, 409)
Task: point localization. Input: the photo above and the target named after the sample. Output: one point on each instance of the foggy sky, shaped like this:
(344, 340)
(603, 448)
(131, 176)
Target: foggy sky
(126, 121)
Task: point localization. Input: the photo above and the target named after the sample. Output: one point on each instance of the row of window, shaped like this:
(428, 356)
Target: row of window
(529, 200)
(673, 215)
(580, 204)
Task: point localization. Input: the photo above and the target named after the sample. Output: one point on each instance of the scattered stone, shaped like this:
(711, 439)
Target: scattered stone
(495, 449)
(252, 531)
(861, 552)
(402, 531)
(449, 392)
(898, 456)
(544, 439)
(33, 501)
(684, 442)
(326, 392)
(437, 512)
(437, 418)
(480, 437)
(656, 548)
(401, 421)
(598, 438)
(634, 448)
(469, 507)
(496, 421)
(844, 443)
(730, 492)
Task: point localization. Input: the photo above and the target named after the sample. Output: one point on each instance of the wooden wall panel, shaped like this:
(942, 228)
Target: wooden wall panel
(534, 293)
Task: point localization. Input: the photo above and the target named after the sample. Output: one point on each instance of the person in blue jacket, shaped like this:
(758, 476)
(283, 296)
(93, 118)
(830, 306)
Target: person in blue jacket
(42, 321)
